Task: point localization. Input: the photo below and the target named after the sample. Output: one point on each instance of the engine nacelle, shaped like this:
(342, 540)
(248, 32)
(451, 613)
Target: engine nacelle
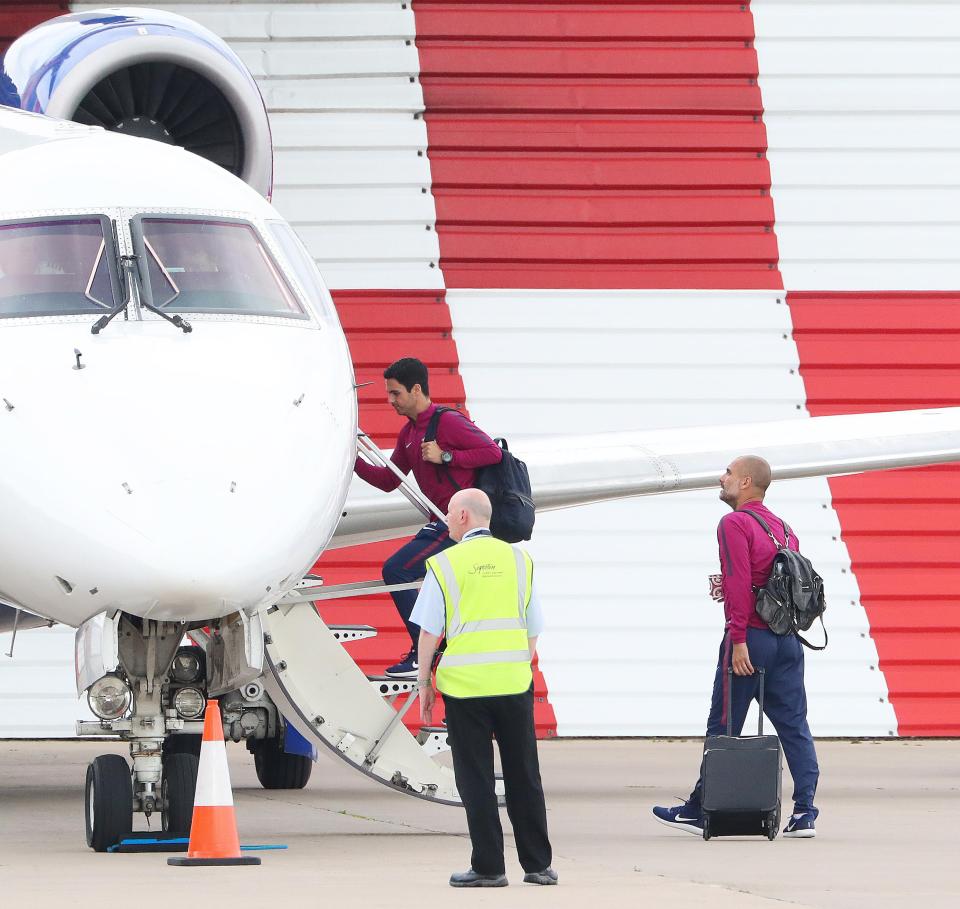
(145, 73)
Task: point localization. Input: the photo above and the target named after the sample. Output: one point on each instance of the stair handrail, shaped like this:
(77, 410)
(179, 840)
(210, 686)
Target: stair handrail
(371, 451)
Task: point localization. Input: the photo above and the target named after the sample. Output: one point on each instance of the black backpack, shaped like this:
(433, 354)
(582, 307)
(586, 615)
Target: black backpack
(792, 599)
(506, 483)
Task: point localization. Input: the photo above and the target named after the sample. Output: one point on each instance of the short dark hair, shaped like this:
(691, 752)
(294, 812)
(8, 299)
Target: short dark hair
(409, 371)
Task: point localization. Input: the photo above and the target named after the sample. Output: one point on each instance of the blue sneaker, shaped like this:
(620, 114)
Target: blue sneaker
(682, 817)
(406, 668)
(801, 826)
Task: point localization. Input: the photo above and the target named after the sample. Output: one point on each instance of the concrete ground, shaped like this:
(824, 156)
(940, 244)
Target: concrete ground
(890, 814)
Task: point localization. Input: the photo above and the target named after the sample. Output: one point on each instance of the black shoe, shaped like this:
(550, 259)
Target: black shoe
(547, 876)
(472, 879)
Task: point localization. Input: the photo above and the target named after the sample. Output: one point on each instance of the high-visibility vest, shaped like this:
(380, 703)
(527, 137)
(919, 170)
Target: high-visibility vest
(486, 591)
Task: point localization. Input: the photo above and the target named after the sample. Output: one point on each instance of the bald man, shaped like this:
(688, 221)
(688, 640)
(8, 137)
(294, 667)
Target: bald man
(481, 595)
(746, 557)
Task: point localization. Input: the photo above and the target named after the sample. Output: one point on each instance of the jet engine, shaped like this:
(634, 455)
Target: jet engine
(145, 73)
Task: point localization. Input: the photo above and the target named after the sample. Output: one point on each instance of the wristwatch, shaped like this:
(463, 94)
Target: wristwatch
(446, 457)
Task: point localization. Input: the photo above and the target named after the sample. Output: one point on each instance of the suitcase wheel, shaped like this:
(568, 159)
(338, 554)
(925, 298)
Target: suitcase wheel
(773, 825)
(706, 826)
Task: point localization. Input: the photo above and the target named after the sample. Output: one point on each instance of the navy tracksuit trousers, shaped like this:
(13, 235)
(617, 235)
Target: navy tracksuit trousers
(409, 563)
(784, 704)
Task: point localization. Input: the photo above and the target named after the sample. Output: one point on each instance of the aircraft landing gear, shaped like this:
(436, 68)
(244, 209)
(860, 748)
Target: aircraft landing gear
(109, 801)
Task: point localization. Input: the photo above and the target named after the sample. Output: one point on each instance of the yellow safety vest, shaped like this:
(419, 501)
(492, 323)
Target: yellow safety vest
(486, 591)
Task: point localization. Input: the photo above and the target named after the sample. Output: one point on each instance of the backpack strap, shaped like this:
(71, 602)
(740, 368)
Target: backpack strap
(786, 529)
(806, 643)
(431, 436)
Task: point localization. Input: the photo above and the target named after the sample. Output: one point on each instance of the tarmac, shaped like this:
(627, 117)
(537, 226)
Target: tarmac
(887, 833)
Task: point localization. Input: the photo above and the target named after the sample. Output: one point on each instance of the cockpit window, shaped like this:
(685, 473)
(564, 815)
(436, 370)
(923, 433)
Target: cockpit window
(55, 268)
(213, 266)
(305, 270)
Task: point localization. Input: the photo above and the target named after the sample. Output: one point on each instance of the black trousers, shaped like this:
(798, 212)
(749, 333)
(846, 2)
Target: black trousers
(471, 725)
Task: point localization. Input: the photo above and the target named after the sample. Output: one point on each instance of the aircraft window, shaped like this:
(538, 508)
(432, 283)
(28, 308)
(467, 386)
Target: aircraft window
(213, 266)
(305, 270)
(54, 268)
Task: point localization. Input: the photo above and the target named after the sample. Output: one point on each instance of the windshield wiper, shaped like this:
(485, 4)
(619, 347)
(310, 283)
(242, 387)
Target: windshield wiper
(182, 324)
(129, 266)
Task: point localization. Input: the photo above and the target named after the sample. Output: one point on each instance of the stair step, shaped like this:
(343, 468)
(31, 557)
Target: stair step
(392, 687)
(345, 633)
(433, 739)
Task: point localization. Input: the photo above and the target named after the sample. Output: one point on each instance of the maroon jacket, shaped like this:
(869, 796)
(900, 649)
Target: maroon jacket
(471, 448)
(746, 557)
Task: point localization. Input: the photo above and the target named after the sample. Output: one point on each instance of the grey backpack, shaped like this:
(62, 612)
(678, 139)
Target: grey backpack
(792, 599)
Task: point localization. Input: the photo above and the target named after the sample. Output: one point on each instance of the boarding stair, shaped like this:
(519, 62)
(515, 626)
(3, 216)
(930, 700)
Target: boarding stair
(322, 692)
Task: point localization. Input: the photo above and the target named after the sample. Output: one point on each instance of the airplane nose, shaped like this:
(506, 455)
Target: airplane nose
(196, 491)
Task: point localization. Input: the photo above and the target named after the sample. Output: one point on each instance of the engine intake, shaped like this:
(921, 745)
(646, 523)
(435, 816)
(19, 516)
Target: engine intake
(151, 74)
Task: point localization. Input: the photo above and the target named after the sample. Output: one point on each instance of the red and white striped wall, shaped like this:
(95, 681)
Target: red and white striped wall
(588, 216)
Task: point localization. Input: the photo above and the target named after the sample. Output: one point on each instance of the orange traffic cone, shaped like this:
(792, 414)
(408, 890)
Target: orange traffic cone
(213, 836)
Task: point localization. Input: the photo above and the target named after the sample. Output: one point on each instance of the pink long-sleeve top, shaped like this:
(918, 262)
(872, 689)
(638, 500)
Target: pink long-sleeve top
(470, 446)
(746, 557)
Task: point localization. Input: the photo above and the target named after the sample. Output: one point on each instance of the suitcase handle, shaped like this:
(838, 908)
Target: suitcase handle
(730, 701)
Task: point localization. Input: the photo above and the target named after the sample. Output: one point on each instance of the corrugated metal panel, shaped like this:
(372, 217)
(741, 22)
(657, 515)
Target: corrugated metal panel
(862, 352)
(631, 631)
(863, 123)
(596, 144)
(37, 687)
(616, 144)
(341, 85)
(16, 18)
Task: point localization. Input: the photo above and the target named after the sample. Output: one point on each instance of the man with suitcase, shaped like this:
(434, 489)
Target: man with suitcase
(746, 557)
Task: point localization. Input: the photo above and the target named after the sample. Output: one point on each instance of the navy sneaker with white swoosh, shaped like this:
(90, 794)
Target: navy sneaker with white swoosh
(801, 826)
(683, 817)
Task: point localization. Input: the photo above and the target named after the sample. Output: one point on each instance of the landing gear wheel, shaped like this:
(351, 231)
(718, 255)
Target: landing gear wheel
(184, 743)
(177, 792)
(108, 798)
(278, 770)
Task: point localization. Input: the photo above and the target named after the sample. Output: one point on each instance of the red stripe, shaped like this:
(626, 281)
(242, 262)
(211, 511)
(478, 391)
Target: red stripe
(427, 550)
(597, 145)
(891, 351)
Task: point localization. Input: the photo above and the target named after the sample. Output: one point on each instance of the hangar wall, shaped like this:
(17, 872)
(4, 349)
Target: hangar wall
(863, 123)
(567, 207)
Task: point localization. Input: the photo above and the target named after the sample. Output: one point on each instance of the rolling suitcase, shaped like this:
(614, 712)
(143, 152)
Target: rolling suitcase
(741, 780)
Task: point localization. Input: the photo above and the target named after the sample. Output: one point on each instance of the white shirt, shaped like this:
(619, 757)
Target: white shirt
(430, 613)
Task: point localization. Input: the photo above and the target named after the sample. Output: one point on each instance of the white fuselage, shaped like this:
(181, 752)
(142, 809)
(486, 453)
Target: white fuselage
(176, 476)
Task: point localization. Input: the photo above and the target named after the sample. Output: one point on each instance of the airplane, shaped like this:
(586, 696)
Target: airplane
(178, 417)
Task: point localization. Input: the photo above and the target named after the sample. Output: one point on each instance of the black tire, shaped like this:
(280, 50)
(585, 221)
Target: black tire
(706, 826)
(177, 792)
(108, 801)
(278, 770)
(185, 743)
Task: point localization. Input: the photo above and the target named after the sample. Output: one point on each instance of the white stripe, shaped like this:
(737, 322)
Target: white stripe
(862, 119)
(213, 777)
